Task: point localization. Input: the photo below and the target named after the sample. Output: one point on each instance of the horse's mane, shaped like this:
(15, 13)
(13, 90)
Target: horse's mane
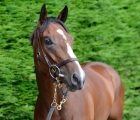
(45, 25)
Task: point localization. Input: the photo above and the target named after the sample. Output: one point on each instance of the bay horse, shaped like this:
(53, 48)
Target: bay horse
(68, 90)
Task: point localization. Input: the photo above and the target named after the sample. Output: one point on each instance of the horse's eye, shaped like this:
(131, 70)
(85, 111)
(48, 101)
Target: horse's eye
(48, 41)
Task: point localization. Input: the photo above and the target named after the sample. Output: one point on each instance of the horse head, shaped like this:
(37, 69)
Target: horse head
(53, 45)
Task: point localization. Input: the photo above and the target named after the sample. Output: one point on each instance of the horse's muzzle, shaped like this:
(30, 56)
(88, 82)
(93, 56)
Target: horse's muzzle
(76, 83)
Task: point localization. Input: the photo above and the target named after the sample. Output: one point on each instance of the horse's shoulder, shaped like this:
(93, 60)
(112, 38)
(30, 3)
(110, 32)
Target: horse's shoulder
(97, 66)
(101, 68)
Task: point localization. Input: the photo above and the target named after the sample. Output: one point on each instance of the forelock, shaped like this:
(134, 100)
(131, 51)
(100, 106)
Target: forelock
(46, 24)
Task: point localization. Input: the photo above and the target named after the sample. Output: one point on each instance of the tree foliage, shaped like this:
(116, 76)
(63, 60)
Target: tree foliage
(104, 30)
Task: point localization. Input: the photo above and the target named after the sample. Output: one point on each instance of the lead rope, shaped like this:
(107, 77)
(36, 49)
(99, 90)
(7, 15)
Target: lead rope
(54, 104)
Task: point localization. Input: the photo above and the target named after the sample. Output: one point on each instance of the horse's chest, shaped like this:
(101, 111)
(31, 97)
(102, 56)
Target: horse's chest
(77, 113)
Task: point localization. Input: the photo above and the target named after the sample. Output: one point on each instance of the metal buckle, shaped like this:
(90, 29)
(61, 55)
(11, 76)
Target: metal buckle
(54, 69)
(38, 54)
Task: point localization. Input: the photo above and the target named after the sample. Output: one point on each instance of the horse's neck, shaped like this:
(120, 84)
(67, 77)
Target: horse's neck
(45, 85)
(46, 88)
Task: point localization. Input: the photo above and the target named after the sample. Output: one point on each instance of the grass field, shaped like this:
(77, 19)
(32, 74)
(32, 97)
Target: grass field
(104, 30)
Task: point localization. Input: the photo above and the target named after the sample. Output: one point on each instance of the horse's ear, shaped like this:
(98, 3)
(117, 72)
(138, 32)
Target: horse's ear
(43, 14)
(63, 14)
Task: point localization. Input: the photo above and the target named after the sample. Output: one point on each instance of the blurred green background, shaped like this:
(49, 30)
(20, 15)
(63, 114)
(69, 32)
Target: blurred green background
(104, 30)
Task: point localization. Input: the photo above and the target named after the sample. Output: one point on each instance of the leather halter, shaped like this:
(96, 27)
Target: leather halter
(45, 60)
(40, 58)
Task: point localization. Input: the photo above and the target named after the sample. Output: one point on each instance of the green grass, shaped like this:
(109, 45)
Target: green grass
(104, 30)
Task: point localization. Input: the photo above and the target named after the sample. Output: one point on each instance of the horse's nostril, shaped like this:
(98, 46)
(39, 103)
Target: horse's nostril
(75, 80)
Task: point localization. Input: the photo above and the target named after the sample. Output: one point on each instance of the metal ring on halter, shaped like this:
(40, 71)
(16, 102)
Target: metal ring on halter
(54, 69)
(38, 54)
